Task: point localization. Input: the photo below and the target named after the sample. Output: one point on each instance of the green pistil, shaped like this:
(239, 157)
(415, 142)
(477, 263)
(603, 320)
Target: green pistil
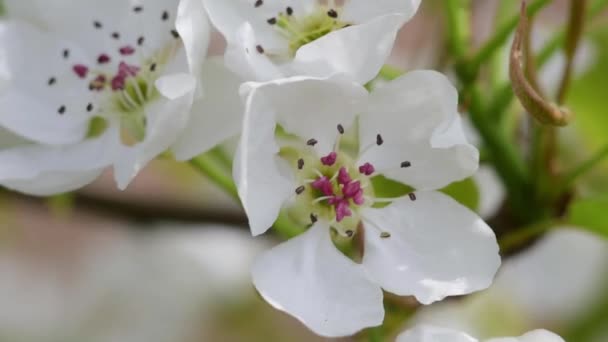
(304, 30)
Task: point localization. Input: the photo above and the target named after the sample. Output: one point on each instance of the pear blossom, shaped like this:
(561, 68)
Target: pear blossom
(295, 154)
(89, 85)
(531, 288)
(435, 334)
(270, 39)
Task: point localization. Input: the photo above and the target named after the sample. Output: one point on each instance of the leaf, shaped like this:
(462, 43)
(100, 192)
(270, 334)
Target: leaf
(591, 214)
(465, 192)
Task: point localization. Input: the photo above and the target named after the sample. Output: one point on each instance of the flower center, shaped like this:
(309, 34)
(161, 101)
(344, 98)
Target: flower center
(121, 82)
(300, 30)
(334, 187)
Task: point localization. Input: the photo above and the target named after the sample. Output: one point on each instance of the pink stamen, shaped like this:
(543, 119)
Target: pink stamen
(324, 185)
(126, 70)
(103, 59)
(342, 210)
(98, 83)
(343, 176)
(330, 159)
(367, 169)
(81, 70)
(118, 82)
(351, 189)
(127, 50)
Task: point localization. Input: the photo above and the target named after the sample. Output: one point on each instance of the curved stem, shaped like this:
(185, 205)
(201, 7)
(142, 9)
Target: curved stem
(500, 38)
(211, 166)
(457, 12)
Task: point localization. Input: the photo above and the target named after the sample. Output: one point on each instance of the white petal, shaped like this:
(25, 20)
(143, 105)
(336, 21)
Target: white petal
(533, 336)
(426, 333)
(417, 115)
(491, 191)
(216, 116)
(361, 11)
(166, 119)
(28, 60)
(437, 248)
(44, 170)
(243, 58)
(74, 20)
(310, 279)
(540, 280)
(195, 32)
(358, 50)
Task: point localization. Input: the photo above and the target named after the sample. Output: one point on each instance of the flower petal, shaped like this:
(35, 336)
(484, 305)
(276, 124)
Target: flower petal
(361, 11)
(427, 333)
(47, 170)
(437, 248)
(310, 279)
(533, 336)
(195, 32)
(166, 119)
(358, 50)
(30, 103)
(417, 116)
(216, 116)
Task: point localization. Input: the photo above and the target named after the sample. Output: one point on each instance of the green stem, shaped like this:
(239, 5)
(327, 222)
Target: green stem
(375, 334)
(286, 227)
(499, 39)
(520, 236)
(457, 12)
(570, 177)
(211, 166)
(389, 72)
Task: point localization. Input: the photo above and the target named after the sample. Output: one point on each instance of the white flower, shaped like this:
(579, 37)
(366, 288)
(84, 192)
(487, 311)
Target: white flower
(435, 334)
(89, 85)
(269, 39)
(532, 287)
(423, 244)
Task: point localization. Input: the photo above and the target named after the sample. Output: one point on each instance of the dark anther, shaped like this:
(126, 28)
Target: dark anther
(97, 24)
(379, 140)
(300, 189)
(340, 129)
(103, 59)
(332, 13)
(175, 34)
(61, 110)
(140, 41)
(300, 164)
(115, 35)
(312, 142)
(259, 49)
(165, 16)
(412, 196)
(137, 9)
(258, 3)
(89, 107)
(289, 10)
(272, 21)
(52, 81)
(350, 233)
(153, 67)
(313, 218)
(385, 235)
(66, 53)
(406, 164)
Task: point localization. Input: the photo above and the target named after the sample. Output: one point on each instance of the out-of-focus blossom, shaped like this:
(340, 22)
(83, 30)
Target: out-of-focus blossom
(154, 288)
(435, 334)
(270, 39)
(550, 285)
(89, 85)
(423, 244)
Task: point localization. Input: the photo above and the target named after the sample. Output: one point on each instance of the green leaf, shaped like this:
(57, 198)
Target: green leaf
(465, 192)
(590, 214)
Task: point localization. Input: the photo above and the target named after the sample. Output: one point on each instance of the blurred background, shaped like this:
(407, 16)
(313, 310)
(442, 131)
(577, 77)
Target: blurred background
(168, 259)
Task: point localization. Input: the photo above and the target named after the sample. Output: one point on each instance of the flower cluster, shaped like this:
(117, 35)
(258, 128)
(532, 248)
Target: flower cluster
(89, 85)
